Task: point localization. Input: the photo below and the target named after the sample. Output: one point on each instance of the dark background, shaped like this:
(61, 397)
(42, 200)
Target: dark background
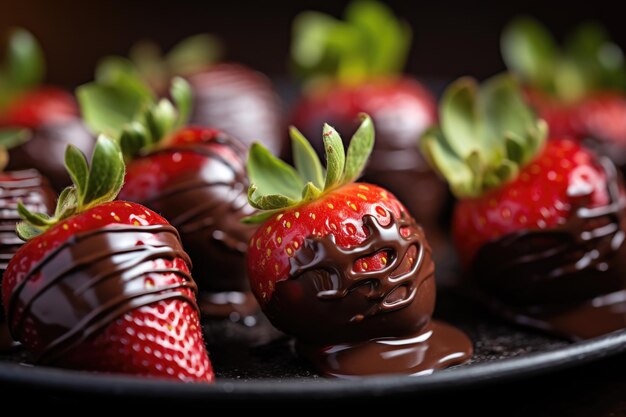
(450, 38)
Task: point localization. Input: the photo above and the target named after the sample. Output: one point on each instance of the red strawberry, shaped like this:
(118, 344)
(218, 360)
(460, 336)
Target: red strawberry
(104, 285)
(361, 76)
(336, 222)
(226, 96)
(40, 106)
(193, 176)
(535, 223)
(48, 115)
(577, 90)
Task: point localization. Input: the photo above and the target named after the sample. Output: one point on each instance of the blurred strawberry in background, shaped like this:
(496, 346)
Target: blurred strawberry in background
(355, 65)
(227, 96)
(37, 121)
(578, 89)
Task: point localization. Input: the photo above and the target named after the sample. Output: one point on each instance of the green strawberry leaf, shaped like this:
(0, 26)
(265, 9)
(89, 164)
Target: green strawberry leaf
(77, 167)
(460, 122)
(306, 160)
(530, 51)
(106, 175)
(24, 64)
(360, 149)
(108, 108)
(13, 137)
(193, 54)
(270, 176)
(182, 96)
(335, 156)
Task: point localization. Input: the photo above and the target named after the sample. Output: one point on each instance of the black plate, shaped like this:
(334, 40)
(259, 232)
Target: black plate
(503, 353)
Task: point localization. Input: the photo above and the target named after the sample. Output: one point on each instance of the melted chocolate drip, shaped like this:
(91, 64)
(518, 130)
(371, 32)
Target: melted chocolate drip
(45, 150)
(206, 207)
(437, 346)
(35, 193)
(542, 277)
(92, 279)
(328, 306)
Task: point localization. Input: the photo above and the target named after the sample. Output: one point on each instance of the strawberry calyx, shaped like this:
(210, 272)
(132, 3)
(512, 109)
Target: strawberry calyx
(369, 42)
(276, 186)
(588, 61)
(92, 185)
(124, 108)
(485, 136)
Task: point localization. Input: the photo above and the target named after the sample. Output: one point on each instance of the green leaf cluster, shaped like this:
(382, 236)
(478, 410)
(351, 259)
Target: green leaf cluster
(485, 135)
(276, 186)
(120, 105)
(23, 66)
(92, 185)
(370, 41)
(588, 60)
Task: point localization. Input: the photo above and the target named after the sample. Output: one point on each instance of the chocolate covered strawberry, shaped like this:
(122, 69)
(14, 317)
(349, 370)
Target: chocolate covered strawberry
(352, 66)
(578, 89)
(31, 189)
(226, 96)
(536, 223)
(104, 285)
(195, 177)
(45, 116)
(342, 265)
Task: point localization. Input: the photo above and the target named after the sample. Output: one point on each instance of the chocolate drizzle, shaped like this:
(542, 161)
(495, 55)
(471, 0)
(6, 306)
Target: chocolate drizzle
(34, 192)
(559, 279)
(323, 254)
(90, 280)
(368, 316)
(575, 261)
(207, 206)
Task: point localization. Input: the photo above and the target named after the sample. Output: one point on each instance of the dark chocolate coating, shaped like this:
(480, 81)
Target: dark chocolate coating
(326, 302)
(89, 281)
(206, 206)
(34, 192)
(240, 102)
(45, 150)
(576, 261)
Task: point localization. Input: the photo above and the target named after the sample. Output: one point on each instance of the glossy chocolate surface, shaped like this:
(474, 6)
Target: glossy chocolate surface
(206, 206)
(239, 101)
(561, 279)
(45, 150)
(329, 307)
(89, 281)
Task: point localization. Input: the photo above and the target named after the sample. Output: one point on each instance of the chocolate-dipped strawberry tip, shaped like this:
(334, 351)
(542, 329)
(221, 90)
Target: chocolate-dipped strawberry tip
(194, 176)
(342, 265)
(104, 285)
(539, 224)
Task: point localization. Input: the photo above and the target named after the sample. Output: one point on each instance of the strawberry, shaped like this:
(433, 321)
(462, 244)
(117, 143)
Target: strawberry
(527, 211)
(48, 114)
(578, 90)
(351, 69)
(104, 285)
(226, 96)
(195, 177)
(356, 227)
